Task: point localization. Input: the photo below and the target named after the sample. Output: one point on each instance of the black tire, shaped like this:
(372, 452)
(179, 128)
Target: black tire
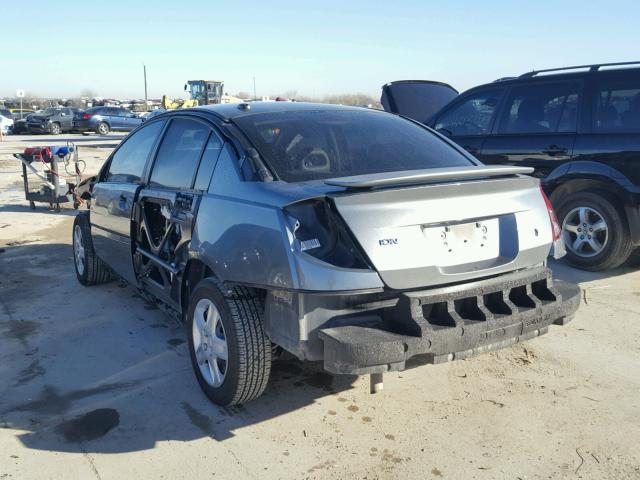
(32, 205)
(102, 128)
(618, 244)
(249, 350)
(55, 129)
(93, 270)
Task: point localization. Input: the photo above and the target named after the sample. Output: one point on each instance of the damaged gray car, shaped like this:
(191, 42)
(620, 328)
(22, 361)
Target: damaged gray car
(344, 235)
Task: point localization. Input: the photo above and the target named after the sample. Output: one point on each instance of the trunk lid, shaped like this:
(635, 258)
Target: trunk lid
(416, 99)
(428, 234)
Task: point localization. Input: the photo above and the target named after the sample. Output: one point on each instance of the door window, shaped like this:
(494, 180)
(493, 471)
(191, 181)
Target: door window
(546, 108)
(472, 116)
(208, 163)
(127, 163)
(179, 153)
(617, 106)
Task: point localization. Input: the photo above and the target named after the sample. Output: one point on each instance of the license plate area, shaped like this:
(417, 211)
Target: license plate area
(463, 243)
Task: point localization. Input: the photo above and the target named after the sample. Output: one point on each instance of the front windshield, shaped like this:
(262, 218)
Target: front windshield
(50, 111)
(315, 145)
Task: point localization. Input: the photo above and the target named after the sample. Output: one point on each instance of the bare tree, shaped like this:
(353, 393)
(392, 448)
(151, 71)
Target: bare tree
(88, 93)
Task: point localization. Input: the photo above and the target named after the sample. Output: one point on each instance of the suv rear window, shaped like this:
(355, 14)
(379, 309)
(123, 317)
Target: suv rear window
(546, 108)
(617, 106)
(314, 145)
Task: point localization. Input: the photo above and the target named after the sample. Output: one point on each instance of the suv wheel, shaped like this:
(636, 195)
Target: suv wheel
(102, 128)
(230, 353)
(54, 129)
(595, 233)
(90, 270)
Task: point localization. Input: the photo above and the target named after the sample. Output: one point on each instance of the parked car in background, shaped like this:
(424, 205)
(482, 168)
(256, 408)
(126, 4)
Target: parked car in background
(340, 234)
(6, 122)
(153, 113)
(104, 119)
(52, 120)
(20, 124)
(19, 117)
(19, 114)
(578, 127)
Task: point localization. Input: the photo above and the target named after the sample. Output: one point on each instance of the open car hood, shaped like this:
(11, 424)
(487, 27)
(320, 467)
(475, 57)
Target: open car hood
(416, 99)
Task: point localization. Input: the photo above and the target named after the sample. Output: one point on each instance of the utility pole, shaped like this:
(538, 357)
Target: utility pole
(255, 96)
(146, 103)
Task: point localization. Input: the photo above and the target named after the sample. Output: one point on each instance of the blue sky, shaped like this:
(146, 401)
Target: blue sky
(315, 48)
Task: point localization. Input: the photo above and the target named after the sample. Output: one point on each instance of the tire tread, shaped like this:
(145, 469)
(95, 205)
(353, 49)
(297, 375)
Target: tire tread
(97, 271)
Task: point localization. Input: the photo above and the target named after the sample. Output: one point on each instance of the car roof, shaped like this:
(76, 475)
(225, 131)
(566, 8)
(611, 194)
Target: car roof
(229, 111)
(570, 73)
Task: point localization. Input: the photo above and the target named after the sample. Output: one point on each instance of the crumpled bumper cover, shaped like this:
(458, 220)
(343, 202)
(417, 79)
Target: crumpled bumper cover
(453, 323)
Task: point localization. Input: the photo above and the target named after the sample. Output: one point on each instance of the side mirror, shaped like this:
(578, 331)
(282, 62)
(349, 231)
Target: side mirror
(186, 87)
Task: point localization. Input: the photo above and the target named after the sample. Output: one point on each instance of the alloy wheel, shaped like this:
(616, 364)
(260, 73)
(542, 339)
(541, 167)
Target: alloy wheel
(585, 231)
(210, 342)
(78, 249)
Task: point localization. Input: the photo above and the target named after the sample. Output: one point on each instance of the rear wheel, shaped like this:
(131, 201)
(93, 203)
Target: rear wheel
(102, 128)
(595, 232)
(230, 353)
(55, 129)
(90, 270)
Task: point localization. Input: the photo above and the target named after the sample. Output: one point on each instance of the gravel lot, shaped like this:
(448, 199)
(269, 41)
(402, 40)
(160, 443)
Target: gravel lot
(96, 383)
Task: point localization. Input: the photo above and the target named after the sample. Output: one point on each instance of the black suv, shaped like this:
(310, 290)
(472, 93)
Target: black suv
(578, 127)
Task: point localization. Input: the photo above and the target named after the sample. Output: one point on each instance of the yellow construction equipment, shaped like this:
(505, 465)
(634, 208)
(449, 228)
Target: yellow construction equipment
(179, 103)
(201, 92)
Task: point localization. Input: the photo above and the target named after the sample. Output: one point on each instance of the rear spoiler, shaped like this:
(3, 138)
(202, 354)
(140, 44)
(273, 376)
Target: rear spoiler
(426, 176)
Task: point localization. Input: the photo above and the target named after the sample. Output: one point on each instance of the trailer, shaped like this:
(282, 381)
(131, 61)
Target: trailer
(53, 189)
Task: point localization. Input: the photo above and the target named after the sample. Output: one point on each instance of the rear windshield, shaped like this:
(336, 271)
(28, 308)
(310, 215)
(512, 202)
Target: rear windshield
(314, 145)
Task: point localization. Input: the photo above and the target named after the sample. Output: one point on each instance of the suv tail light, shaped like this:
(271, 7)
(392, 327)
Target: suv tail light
(86, 116)
(320, 232)
(555, 225)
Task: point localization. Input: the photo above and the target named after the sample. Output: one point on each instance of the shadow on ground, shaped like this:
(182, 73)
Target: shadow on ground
(42, 207)
(98, 370)
(563, 271)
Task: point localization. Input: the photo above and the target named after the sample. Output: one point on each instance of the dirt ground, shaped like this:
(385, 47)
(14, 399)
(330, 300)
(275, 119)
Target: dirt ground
(96, 383)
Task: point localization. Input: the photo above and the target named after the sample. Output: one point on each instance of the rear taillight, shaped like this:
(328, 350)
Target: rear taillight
(86, 116)
(317, 230)
(555, 225)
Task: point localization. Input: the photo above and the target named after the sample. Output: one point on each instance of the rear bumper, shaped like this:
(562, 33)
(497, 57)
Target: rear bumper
(452, 323)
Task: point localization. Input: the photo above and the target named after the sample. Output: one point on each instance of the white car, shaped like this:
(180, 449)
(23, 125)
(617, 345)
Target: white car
(6, 124)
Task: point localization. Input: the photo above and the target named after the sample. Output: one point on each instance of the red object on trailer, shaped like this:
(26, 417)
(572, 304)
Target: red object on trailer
(42, 154)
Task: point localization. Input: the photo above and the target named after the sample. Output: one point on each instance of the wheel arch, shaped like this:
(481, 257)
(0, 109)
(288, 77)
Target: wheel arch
(576, 177)
(196, 270)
